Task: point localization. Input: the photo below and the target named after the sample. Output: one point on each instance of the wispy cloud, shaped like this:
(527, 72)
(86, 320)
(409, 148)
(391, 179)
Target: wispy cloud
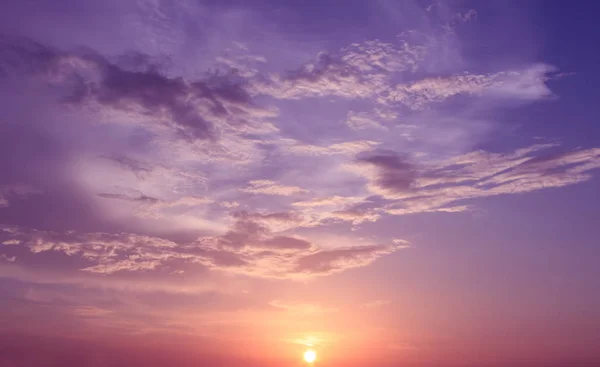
(437, 187)
(301, 308)
(268, 187)
(528, 84)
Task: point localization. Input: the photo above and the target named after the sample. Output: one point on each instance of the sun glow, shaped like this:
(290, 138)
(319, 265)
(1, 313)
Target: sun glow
(310, 356)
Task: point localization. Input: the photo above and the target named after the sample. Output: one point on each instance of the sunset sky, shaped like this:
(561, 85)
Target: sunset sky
(232, 183)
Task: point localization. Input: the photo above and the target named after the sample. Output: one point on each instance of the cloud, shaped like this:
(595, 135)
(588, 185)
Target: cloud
(389, 172)
(142, 198)
(13, 191)
(466, 16)
(301, 308)
(285, 242)
(328, 201)
(376, 56)
(360, 70)
(141, 169)
(249, 248)
(258, 231)
(114, 146)
(363, 120)
(240, 61)
(336, 209)
(371, 70)
(345, 148)
(4, 257)
(355, 215)
(123, 265)
(327, 75)
(527, 84)
(268, 187)
(90, 311)
(191, 109)
(110, 253)
(159, 208)
(480, 174)
(331, 261)
(408, 187)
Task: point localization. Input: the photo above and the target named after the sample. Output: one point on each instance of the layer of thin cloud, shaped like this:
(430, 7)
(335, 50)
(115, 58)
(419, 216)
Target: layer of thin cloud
(268, 187)
(363, 120)
(328, 201)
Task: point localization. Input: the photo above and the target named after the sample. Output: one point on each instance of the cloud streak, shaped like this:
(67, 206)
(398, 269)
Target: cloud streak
(440, 186)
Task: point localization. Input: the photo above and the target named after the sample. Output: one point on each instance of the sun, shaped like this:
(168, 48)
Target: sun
(310, 356)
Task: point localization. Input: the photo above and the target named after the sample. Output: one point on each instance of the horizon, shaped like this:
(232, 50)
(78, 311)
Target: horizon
(314, 183)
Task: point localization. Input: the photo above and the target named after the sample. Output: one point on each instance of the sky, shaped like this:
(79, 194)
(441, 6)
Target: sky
(231, 183)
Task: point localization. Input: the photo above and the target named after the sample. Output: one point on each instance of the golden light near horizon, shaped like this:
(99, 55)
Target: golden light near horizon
(310, 356)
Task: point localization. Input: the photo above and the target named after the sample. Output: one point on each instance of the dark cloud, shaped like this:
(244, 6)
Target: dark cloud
(394, 172)
(191, 108)
(23, 55)
(154, 93)
(142, 198)
(130, 164)
(245, 232)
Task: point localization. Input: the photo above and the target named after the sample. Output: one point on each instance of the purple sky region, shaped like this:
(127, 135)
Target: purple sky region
(228, 183)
